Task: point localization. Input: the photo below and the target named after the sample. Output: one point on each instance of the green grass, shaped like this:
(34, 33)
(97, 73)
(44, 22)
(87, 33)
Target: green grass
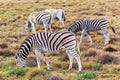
(98, 66)
(89, 75)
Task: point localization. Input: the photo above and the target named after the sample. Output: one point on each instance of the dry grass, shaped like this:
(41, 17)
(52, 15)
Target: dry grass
(6, 53)
(14, 14)
(108, 59)
(110, 48)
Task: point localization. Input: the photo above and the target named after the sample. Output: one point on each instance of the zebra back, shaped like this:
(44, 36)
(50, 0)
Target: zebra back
(89, 25)
(40, 17)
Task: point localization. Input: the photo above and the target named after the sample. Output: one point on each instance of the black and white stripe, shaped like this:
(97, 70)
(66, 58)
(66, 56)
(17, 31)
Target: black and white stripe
(39, 18)
(42, 42)
(92, 25)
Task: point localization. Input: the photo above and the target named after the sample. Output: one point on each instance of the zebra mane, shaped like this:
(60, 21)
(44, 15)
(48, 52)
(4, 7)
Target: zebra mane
(24, 42)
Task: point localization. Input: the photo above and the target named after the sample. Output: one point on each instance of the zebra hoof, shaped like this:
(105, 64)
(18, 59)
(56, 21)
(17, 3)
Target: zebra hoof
(48, 68)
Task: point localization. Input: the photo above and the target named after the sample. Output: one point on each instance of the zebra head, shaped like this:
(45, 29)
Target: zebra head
(75, 27)
(21, 62)
(72, 29)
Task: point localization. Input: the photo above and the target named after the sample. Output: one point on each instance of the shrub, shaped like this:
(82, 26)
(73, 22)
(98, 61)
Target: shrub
(3, 45)
(107, 58)
(8, 64)
(64, 57)
(98, 66)
(34, 71)
(17, 72)
(2, 74)
(56, 78)
(57, 64)
(91, 52)
(31, 61)
(89, 75)
(6, 53)
(89, 65)
(110, 48)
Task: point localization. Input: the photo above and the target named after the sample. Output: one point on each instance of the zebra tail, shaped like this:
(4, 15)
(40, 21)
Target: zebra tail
(28, 26)
(113, 29)
(50, 21)
(63, 16)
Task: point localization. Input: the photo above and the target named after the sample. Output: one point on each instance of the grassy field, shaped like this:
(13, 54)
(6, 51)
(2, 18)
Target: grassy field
(99, 61)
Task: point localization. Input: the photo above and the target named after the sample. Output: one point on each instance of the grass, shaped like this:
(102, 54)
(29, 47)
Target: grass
(99, 61)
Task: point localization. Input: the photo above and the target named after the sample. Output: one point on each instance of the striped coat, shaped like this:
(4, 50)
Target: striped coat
(87, 26)
(42, 42)
(34, 18)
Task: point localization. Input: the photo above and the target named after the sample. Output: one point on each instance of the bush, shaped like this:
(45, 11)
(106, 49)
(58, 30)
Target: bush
(110, 48)
(8, 64)
(35, 71)
(88, 65)
(17, 72)
(56, 78)
(98, 66)
(2, 74)
(91, 52)
(6, 53)
(3, 45)
(31, 61)
(107, 59)
(89, 75)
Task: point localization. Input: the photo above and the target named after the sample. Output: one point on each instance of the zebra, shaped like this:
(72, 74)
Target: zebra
(50, 42)
(57, 14)
(38, 18)
(92, 25)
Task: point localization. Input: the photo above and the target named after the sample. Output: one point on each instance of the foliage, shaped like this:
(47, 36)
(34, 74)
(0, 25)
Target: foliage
(34, 71)
(89, 75)
(98, 66)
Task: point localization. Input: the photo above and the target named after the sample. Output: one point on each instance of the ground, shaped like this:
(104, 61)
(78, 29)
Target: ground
(99, 61)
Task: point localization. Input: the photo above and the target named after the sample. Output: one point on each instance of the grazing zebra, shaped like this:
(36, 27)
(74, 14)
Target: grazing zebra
(42, 42)
(57, 14)
(92, 25)
(39, 18)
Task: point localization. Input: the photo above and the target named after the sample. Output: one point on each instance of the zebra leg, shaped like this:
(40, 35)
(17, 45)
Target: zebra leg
(77, 57)
(33, 28)
(63, 23)
(38, 53)
(45, 27)
(71, 60)
(79, 63)
(88, 34)
(106, 35)
(50, 27)
(46, 61)
(82, 34)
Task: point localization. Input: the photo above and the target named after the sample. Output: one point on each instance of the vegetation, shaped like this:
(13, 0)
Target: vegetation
(99, 61)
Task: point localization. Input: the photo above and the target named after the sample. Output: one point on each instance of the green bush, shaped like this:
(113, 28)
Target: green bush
(89, 75)
(98, 66)
(17, 72)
